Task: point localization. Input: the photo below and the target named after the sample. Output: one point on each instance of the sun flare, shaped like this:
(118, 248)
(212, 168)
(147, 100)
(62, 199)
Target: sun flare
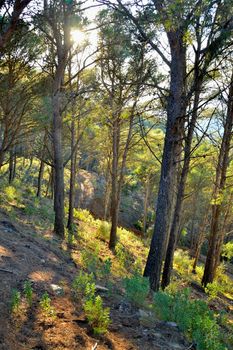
(77, 36)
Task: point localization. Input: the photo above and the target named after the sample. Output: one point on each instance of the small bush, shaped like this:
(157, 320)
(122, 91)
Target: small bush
(183, 264)
(28, 292)
(81, 282)
(105, 269)
(98, 316)
(30, 209)
(91, 261)
(136, 289)
(15, 300)
(83, 215)
(227, 250)
(212, 289)
(90, 291)
(10, 192)
(122, 255)
(46, 212)
(103, 231)
(45, 304)
(192, 316)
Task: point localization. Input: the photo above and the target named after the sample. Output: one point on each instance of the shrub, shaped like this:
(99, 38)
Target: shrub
(81, 282)
(98, 316)
(136, 289)
(30, 209)
(91, 260)
(46, 212)
(83, 215)
(183, 263)
(103, 231)
(227, 250)
(28, 292)
(192, 316)
(10, 193)
(45, 303)
(15, 300)
(105, 269)
(121, 254)
(212, 289)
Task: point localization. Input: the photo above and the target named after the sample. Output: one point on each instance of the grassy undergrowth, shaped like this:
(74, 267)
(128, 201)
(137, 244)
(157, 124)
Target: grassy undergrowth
(121, 272)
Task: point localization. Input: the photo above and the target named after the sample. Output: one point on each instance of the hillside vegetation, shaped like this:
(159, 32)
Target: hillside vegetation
(78, 286)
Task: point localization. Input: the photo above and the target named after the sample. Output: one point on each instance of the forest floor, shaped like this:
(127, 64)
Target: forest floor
(31, 253)
(25, 255)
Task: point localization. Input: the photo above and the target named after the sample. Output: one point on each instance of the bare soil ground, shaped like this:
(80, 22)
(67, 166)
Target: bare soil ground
(24, 254)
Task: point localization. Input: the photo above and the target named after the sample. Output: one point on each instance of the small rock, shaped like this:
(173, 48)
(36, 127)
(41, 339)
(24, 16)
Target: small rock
(171, 324)
(42, 261)
(101, 288)
(57, 289)
(144, 314)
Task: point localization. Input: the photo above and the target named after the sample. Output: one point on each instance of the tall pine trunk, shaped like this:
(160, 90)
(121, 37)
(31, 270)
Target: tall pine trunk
(70, 223)
(215, 239)
(114, 210)
(168, 264)
(171, 155)
(58, 163)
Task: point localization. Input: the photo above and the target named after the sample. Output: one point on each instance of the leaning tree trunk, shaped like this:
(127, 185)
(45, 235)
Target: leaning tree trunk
(171, 155)
(220, 180)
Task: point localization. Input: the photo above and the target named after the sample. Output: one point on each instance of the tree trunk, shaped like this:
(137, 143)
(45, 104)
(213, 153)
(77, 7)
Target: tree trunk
(146, 202)
(220, 180)
(40, 178)
(11, 167)
(171, 155)
(15, 164)
(58, 166)
(107, 197)
(168, 265)
(114, 193)
(70, 223)
(199, 242)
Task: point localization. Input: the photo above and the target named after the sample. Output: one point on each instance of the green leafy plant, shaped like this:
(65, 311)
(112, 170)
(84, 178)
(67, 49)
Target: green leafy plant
(83, 215)
(10, 193)
(83, 283)
(45, 304)
(30, 209)
(192, 316)
(15, 300)
(213, 289)
(90, 291)
(28, 292)
(103, 231)
(136, 289)
(123, 256)
(227, 250)
(97, 316)
(91, 261)
(105, 269)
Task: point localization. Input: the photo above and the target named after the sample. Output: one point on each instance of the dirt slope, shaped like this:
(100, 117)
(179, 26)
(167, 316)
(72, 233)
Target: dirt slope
(25, 255)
